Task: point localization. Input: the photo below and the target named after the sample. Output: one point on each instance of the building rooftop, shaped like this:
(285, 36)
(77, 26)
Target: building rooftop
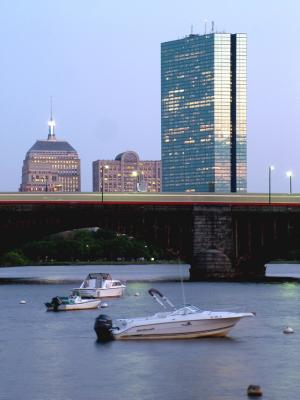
(52, 145)
(129, 156)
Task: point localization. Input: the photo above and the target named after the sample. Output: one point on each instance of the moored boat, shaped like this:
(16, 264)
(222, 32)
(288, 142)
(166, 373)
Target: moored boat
(98, 285)
(70, 303)
(186, 322)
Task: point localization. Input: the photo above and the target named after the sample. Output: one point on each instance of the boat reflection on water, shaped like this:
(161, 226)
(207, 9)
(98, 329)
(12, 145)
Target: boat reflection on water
(186, 322)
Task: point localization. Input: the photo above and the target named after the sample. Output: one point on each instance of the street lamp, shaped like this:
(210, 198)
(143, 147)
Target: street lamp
(289, 174)
(271, 168)
(88, 251)
(102, 179)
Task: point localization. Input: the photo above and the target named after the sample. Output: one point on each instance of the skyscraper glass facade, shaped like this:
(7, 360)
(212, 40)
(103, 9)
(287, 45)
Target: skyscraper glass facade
(203, 102)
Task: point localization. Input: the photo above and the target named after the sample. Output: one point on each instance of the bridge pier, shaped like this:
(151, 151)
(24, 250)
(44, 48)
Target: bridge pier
(224, 246)
(212, 243)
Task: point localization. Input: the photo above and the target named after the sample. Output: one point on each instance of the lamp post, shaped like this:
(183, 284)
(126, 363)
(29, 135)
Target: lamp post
(102, 180)
(87, 251)
(289, 174)
(271, 168)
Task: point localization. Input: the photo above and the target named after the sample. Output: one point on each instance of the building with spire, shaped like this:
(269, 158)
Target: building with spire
(51, 165)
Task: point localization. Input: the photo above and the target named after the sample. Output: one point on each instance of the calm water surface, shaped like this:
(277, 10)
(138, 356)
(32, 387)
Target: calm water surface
(75, 273)
(55, 356)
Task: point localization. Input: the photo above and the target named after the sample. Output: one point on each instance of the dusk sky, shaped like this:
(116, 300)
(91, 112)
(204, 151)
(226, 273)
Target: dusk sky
(100, 60)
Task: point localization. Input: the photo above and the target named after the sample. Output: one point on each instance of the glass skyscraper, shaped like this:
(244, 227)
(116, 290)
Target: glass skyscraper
(204, 105)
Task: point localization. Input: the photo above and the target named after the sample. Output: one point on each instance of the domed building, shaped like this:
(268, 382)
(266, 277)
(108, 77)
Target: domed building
(126, 173)
(51, 166)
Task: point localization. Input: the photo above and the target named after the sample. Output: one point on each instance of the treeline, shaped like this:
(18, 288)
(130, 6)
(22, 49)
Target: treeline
(83, 246)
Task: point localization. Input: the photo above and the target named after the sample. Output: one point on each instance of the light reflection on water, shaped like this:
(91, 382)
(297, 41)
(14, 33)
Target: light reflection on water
(46, 356)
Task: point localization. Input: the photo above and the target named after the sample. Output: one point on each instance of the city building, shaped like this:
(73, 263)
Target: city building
(126, 173)
(51, 166)
(203, 111)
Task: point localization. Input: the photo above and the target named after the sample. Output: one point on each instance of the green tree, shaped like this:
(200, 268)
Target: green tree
(104, 235)
(40, 250)
(14, 257)
(69, 250)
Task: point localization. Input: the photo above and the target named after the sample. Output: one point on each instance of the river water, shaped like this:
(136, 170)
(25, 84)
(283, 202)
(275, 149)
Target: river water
(55, 356)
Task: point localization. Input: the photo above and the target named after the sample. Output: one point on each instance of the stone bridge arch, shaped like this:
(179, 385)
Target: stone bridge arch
(162, 226)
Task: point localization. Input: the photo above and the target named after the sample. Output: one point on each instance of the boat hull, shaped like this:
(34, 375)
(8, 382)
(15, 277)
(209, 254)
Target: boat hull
(99, 292)
(179, 330)
(88, 305)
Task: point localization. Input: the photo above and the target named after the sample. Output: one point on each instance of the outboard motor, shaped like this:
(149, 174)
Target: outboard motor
(56, 301)
(103, 327)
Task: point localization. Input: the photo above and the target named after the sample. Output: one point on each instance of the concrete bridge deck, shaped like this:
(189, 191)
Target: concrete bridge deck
(254, 199)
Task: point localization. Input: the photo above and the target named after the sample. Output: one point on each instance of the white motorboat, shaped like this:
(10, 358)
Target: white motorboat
(186, 322)
(98, 285)
(70, 303)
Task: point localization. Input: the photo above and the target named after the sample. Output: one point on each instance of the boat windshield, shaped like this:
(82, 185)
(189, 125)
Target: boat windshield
(188, 309)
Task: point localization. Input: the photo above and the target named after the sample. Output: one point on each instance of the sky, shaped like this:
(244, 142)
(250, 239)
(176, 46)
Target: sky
(100, 61)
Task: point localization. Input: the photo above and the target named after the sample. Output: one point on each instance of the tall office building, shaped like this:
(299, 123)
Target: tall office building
(204, 104)
(126, 173)
(51, 166)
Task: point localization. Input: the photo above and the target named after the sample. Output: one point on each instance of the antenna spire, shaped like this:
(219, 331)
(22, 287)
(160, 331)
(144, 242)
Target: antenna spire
(51, 124)
(51, 108)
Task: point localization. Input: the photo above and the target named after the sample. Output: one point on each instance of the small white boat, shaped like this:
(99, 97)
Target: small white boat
(186, 322)
(69, 303)
(98, 285)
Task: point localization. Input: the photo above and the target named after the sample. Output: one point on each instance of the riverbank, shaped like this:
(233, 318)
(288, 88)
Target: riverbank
(98, 262)
(63, 281)
(57, 274)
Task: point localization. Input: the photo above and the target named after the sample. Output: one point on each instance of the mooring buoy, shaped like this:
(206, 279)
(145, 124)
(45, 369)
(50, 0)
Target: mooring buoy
(254, 390)
(288, 329)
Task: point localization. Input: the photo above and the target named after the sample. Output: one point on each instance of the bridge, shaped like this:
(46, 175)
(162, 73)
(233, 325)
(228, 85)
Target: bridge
(222, 236)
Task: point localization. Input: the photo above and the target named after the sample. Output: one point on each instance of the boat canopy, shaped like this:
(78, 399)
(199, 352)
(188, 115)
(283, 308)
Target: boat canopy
(99, 276)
